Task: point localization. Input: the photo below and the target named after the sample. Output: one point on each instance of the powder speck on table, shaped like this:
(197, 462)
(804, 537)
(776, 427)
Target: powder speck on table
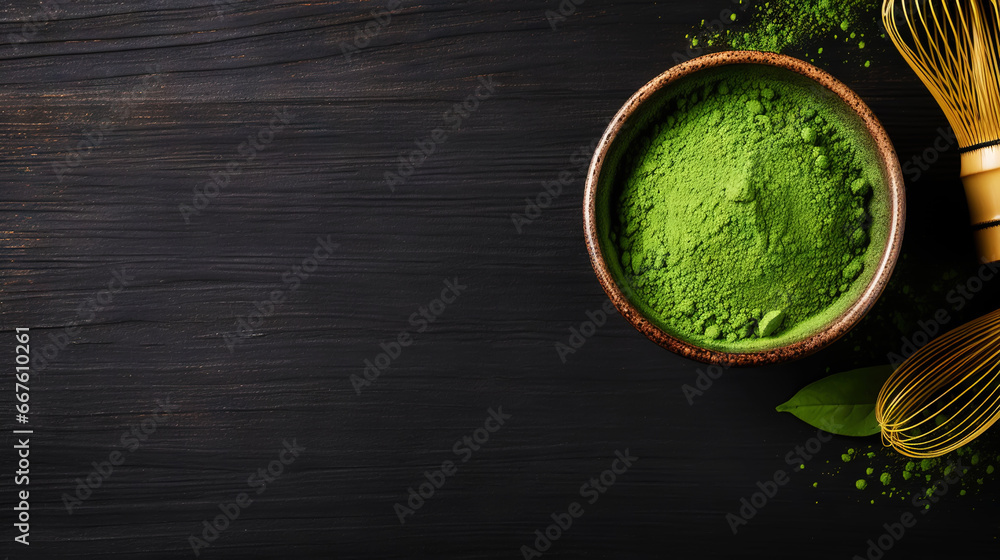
(744, 211)
(781, 25)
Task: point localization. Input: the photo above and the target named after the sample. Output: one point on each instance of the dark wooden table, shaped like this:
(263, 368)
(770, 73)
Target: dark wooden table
(170, 165)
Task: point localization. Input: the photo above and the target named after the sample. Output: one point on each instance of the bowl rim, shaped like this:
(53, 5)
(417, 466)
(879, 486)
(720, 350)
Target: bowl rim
(826, 335)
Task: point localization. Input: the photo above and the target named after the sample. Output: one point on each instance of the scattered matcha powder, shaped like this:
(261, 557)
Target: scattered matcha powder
(888, 462)
(783, 25)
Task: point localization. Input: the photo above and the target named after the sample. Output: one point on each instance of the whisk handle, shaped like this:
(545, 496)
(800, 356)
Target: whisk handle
(981, 177)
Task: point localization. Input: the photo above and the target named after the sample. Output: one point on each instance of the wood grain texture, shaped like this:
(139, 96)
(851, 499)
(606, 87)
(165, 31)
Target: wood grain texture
(218, 79)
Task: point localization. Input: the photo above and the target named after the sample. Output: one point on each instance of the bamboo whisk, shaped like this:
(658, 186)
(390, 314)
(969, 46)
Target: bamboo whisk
(954, 47)
(946, 394)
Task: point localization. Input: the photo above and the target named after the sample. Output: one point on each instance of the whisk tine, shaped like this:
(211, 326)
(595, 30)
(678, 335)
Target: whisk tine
(953, 47)
(946, 394)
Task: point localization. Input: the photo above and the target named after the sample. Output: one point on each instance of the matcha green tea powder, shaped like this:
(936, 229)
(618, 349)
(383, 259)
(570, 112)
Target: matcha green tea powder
(812, 28)
(744, 210)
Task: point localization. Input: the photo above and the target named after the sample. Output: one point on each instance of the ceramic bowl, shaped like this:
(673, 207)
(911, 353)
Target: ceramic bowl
(637, 113)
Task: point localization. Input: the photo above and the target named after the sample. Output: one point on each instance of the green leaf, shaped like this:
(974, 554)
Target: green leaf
(843, 403)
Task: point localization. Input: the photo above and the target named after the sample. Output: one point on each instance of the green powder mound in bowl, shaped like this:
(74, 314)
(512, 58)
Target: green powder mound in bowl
(747, 210)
